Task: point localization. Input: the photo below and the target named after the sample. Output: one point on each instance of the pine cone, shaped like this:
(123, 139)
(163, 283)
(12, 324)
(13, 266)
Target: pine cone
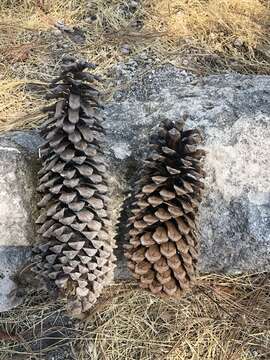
(162, 252)
(76, 252)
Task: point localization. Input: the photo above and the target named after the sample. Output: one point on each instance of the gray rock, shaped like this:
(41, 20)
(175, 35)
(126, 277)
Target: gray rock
(12, 261)
(17, 209)
(233, 113)
(29, 140)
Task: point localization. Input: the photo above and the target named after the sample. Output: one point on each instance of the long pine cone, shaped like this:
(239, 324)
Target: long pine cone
(163, 249)
(75, 255)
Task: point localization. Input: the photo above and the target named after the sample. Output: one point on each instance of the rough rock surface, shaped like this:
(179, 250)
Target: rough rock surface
(233, 112)
(17, 208)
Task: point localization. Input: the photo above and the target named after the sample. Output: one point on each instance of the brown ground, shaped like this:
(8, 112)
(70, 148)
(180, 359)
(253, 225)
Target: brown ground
(224, 318)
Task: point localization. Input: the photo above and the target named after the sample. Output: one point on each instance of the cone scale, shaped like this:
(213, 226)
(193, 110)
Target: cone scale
(75, 254)
(163, 248)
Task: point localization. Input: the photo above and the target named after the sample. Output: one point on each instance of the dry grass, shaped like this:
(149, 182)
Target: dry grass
(200, 35)
(222, 26)
(225, 318)
(29, 51)
(13, 96)
(232, 34)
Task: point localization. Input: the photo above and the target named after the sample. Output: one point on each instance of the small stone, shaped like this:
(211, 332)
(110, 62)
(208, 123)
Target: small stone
(143, 55)
(133, 4)
(57, 32)
(77, 326)
(125, 49)
(121, 151)
(238, 42)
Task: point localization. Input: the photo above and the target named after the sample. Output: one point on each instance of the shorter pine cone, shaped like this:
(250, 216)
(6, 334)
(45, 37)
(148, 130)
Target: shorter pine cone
(163, 250)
